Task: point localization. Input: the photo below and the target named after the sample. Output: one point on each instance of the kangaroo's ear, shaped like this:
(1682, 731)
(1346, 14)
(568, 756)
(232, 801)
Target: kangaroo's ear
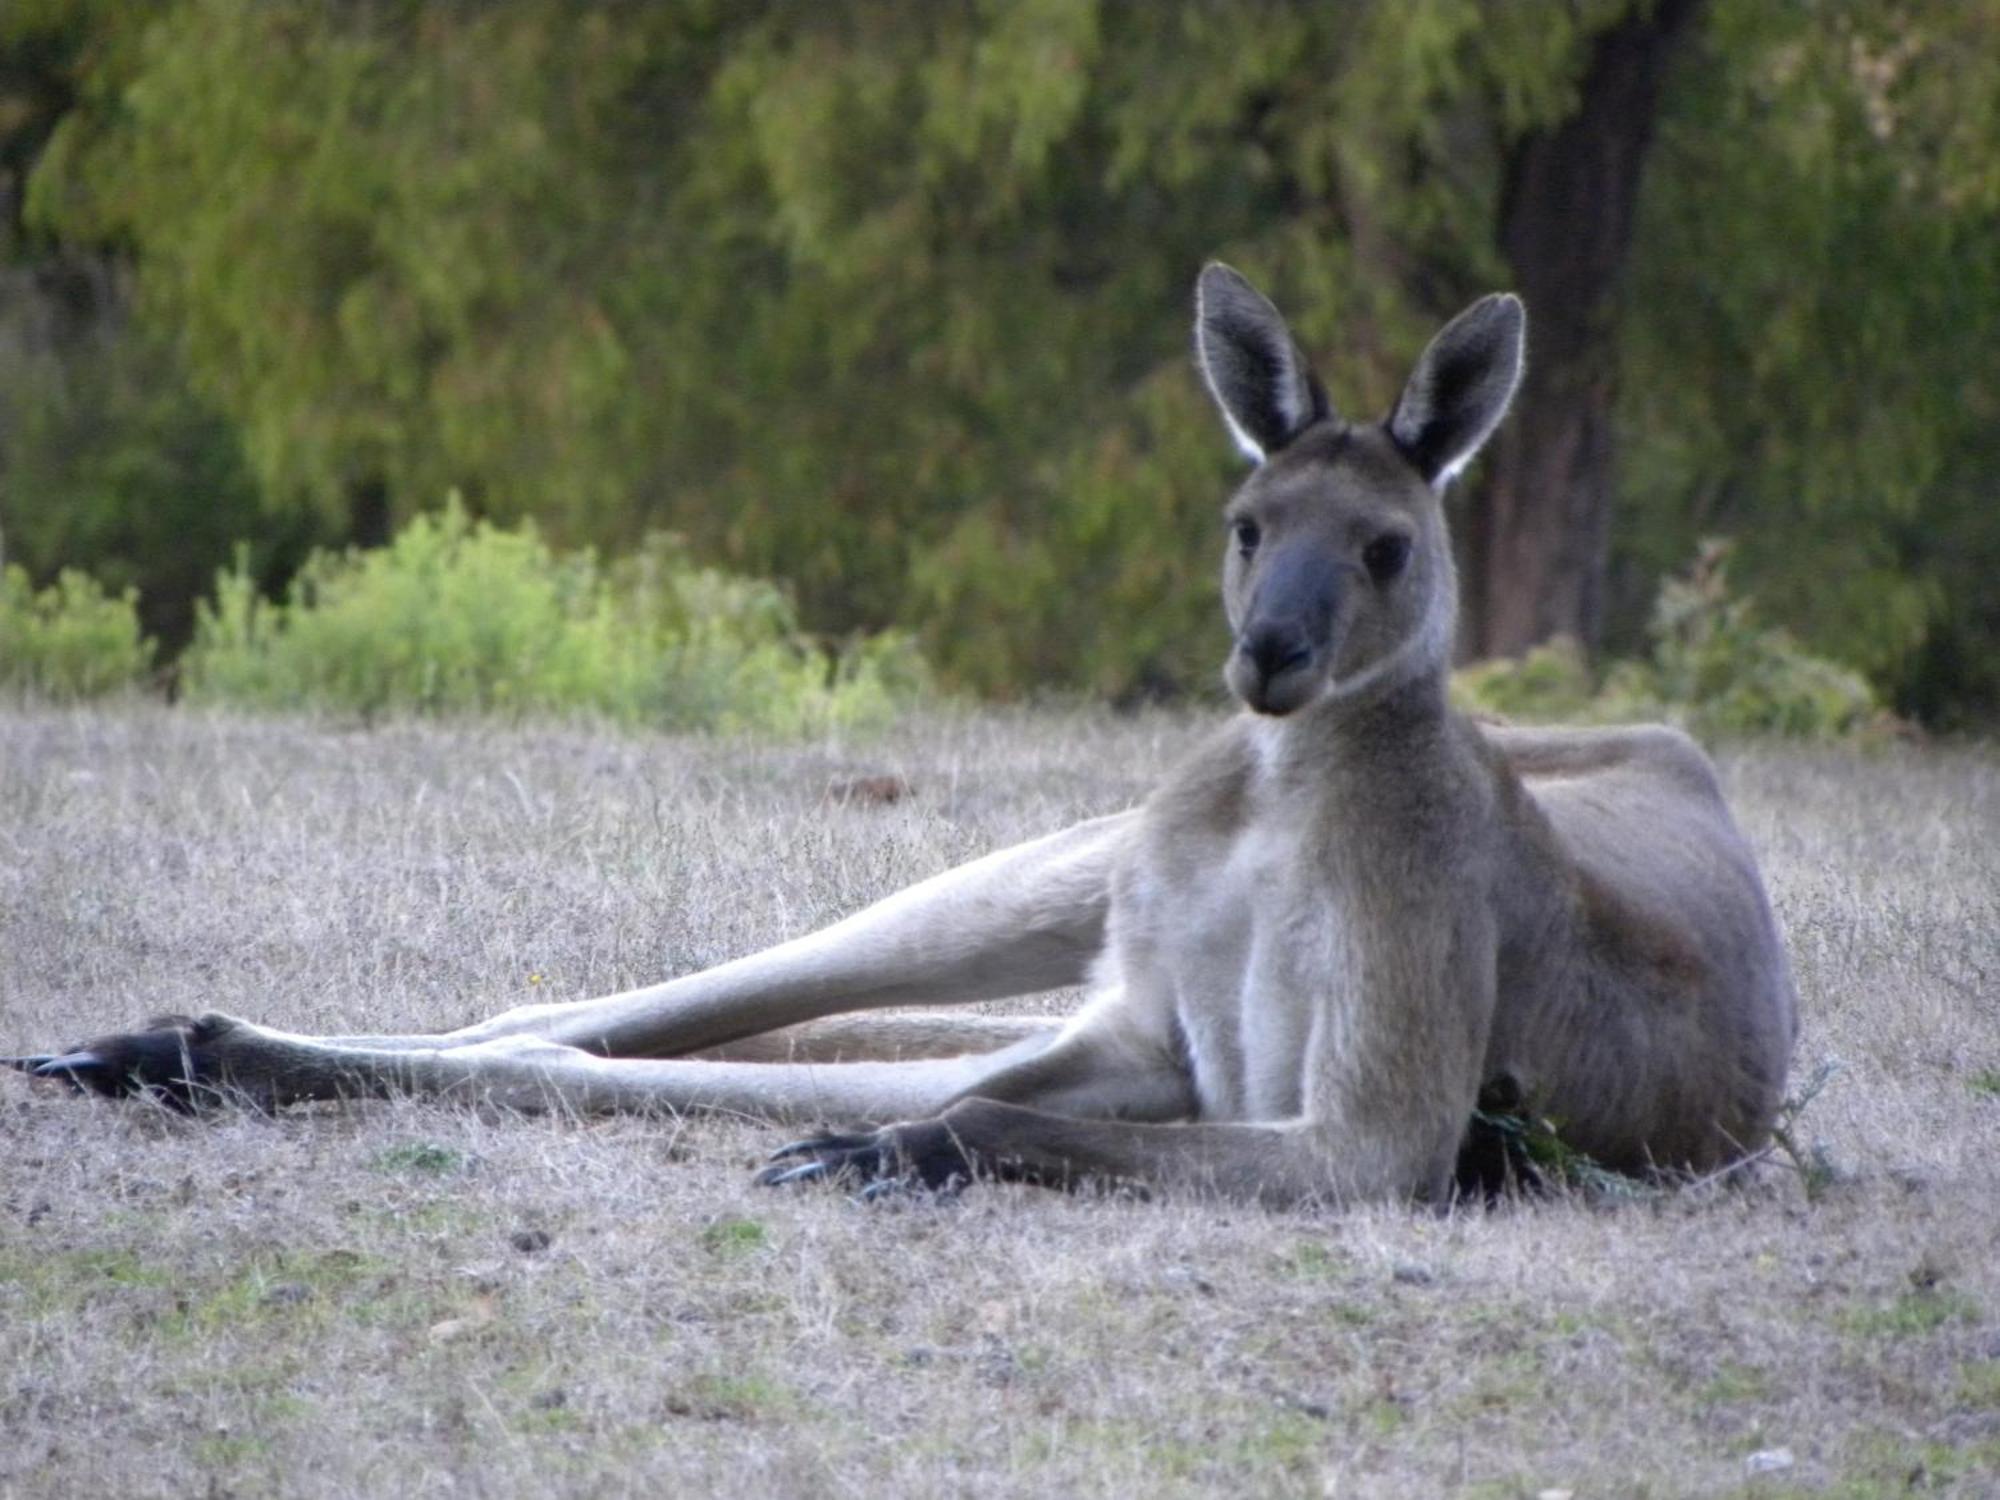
(1460, 388)
(1257, 375)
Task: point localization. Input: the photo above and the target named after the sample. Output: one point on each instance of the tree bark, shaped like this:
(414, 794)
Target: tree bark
(1538, 541)
(369, 522)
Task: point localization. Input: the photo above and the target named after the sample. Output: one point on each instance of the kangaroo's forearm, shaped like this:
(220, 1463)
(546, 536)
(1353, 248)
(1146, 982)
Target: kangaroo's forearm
(1278, 1164)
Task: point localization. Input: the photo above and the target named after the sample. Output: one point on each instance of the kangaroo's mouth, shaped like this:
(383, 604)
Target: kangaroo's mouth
(1274, 688)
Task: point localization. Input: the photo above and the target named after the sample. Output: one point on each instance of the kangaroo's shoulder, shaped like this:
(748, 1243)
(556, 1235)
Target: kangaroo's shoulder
(1209, 791)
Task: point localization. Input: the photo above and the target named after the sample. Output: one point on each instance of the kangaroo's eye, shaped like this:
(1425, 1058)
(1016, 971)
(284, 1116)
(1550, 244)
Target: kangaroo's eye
(1384, 557)
(1247, 535)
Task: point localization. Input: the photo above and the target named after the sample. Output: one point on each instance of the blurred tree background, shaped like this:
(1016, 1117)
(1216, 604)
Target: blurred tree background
(888, 300)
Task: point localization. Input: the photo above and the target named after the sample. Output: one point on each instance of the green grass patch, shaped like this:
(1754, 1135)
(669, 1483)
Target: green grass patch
(745, 1397)
(1314, 1261)
(1889, 1464)
(1733, 1385)
(285, 1289)
(56, 1281)
(1979, 1383)
(734, 1237)
(1916, 1312)
(419, 1158)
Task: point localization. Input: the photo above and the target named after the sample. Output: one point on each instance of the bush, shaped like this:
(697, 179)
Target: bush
(1713, 668)
(1737, 676)
(457, 615)
(71, 640)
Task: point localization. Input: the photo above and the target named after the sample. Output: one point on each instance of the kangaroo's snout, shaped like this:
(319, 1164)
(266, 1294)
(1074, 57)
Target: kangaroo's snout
(1276, 649)
(1280, 653)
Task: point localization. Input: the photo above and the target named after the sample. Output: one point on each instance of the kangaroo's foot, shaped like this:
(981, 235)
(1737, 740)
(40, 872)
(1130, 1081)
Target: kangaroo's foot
(184, 1062)
(167, 1058)
(919, 1153)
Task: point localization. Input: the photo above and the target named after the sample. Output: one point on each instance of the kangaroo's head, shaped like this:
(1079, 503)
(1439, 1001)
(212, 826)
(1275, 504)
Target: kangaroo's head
(1338, 577)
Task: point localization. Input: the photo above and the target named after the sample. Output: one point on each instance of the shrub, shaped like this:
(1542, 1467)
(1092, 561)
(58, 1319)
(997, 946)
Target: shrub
(458, 615)
(1737, 676)
(71, 640)
(1713, 667)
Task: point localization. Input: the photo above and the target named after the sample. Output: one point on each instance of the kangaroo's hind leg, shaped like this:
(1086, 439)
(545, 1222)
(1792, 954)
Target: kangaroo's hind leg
(1025, 919)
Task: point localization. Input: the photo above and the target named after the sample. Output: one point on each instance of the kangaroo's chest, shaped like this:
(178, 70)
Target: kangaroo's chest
(1252, 956)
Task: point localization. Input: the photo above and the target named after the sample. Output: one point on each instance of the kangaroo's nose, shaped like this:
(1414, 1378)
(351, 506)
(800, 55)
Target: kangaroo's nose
(1275, 649)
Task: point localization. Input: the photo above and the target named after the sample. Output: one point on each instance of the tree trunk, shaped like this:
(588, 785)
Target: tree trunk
(368, 518)
(1537, 545)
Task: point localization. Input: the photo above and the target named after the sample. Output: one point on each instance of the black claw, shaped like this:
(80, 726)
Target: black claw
(815, 1145)
(86, 1072)
(69, 1065)
(896, 1159)
(77, 1069)
(810, 1171)
(156, 1063)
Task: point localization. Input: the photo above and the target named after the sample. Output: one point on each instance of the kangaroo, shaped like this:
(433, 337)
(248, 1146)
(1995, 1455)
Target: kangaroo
(1350, 914)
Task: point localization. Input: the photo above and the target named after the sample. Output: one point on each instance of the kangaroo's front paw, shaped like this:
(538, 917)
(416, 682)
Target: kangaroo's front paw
(921, 1153)
(175, 1059)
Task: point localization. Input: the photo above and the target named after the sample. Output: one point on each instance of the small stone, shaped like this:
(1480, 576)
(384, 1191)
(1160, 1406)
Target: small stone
(1769, 1461)
(1555, 1495)
(531, 1241)
(288, 1294)
(867, 791)
(1409, 1273)
(1932, 1269)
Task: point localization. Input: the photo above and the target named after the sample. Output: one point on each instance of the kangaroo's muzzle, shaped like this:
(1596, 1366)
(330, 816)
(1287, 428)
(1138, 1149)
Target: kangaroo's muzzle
(1282, 647)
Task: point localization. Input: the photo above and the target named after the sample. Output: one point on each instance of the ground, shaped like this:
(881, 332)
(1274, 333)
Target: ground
(416, 1299)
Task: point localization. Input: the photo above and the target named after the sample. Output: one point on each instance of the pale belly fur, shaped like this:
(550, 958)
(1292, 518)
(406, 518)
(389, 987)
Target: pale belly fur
(1253, 965)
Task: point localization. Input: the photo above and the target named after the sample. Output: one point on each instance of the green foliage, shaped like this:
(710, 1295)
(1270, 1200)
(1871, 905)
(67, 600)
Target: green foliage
(1112, 591)
(70, 640)
(1807, 349)
(115, 467)
(1552, 684)
(1736, 675)
(855, 296)
(1714, 666)
(888, 301)
(1539, 1158)
(458, 616)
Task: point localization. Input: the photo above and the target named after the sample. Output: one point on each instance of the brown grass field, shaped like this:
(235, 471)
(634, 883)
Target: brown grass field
(409, 1299)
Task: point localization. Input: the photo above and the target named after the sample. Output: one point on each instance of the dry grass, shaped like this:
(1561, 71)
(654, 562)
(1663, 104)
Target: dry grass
(406, 1299)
